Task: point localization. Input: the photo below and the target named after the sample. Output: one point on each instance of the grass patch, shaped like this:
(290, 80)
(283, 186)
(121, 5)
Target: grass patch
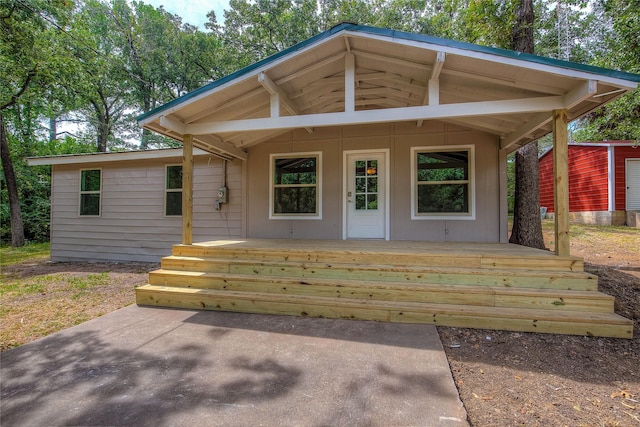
(18, 289)
(29, 252)
(88, 282)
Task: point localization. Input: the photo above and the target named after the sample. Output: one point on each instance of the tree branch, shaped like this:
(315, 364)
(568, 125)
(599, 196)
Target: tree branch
(14, 99)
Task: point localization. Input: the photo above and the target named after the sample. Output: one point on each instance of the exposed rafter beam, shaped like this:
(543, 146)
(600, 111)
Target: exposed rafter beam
(238, 99)
(479, 124)
(583, 91)
(390, 60)
(310, 68)
(437, 67)
(536, 122)
(537, 87)
(514, 106)
(278, 96)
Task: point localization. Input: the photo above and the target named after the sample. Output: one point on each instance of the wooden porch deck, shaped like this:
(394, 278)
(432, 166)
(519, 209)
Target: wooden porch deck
(494, 286)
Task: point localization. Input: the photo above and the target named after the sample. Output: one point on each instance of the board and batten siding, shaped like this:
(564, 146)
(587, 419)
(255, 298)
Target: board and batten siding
(588, 179)
(398, 138)
(132, 225)
(621, 154)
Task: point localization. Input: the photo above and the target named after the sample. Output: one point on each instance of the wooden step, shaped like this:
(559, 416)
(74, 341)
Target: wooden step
(386, 272)
(443, 257)
(392, 291)
(517, 319)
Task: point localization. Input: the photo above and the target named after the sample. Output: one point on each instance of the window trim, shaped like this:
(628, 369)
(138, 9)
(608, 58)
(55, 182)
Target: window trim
(172, 190)
(81, 193)
(414, 183)
(303, 216)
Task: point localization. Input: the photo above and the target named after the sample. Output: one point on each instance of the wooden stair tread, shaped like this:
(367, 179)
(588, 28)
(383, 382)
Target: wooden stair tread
(319, 281)
(274, 247)
(381, 267)
(465, 310)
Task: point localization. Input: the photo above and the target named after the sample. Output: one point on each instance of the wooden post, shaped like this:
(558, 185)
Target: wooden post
(561, 181)
(349, 82)
(187, 190)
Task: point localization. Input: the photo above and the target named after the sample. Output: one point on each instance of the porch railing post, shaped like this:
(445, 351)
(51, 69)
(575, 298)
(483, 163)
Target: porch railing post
(561, 181)
(187, 190)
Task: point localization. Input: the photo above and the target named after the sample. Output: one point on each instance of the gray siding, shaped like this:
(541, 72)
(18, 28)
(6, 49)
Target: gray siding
(398, 138)
(132, 225)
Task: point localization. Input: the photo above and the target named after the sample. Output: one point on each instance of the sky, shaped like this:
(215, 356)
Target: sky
(193, 12)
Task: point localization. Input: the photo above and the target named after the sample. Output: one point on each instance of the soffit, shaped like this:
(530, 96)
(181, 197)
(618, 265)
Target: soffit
(494, 91)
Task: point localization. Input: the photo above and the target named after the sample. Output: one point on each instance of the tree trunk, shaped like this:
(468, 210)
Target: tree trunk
(17, 228)
(53, 128)
(527, 225)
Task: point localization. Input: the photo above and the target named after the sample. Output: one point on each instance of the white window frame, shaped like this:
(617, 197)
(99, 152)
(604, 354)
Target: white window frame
(81, 193)
(170, 190)
(318, 185)
(471, 215)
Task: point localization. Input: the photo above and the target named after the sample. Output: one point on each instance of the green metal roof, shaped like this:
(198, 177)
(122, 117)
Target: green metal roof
(402, 35)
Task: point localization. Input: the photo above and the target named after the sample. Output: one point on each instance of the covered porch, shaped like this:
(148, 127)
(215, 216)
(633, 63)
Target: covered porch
(441, 117)
(481, 285)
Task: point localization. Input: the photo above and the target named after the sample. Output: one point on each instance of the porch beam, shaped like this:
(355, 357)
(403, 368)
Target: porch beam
(187, 190)
(584, 91)
(561, 181)
(424, 112)
(212, 141)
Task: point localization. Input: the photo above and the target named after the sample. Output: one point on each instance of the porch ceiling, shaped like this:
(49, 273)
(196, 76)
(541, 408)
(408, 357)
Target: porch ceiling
(358, 75)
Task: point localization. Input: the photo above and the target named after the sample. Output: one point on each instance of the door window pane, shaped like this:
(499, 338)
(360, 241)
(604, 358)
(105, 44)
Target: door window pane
(366, 184)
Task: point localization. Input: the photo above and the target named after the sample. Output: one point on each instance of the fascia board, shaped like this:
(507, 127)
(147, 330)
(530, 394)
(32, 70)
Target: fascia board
(70, 159)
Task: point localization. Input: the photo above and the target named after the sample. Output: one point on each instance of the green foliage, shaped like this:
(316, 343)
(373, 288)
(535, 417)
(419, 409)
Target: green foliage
(619, 40)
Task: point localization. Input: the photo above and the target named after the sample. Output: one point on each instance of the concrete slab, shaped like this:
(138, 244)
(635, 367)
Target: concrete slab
(157, 366)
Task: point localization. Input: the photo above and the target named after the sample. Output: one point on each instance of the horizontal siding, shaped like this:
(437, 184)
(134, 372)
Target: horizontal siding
(620, 154)
(132, 225)
(588, 179)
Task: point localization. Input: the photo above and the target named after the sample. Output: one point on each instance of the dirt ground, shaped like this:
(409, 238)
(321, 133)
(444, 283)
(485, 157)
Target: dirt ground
(504, 378)
(526, 379)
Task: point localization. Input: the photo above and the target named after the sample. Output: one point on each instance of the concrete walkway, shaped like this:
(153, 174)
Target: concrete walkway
(164, 367)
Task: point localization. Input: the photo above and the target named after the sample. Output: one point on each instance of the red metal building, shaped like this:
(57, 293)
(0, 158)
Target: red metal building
(604, 182)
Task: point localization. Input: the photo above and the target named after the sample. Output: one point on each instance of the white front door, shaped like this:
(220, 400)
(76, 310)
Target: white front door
(633, 184)
(366, 196)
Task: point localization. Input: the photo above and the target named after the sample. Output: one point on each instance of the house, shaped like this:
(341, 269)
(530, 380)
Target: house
(369, 172)
(127, 206)
(604, 182)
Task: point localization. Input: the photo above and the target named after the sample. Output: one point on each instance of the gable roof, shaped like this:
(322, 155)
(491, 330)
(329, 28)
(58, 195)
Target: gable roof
(354, 74)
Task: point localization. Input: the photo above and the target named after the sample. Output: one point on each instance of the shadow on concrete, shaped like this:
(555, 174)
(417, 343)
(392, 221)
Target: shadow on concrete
(123, 387)
(154, 366)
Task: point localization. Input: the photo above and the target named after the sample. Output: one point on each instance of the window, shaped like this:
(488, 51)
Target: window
(295, 186)
(443, 183)
(173, 191)
(90, 186)
(366, 174)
